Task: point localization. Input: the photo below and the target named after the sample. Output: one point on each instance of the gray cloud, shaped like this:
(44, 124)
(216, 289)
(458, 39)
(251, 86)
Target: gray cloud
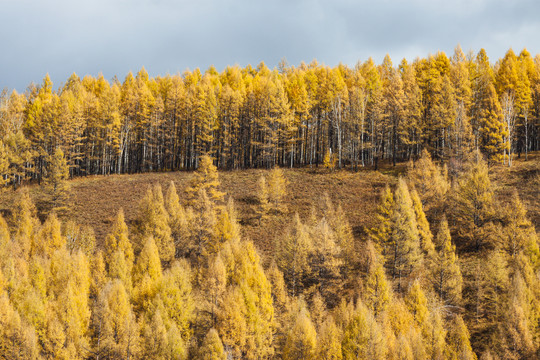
(60, 37)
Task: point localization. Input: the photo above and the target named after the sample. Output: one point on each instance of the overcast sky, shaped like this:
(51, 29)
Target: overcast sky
(60, 37)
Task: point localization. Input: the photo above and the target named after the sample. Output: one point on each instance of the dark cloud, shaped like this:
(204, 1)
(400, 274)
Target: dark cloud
(60, 37)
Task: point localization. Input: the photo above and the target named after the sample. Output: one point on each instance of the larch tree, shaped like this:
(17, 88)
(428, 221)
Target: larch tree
(404, 255)
(147, 275)
(118, 240)
(472, 207)
(116, 332)
(363, 337)
(429, 181)
(447, 280)
(329, 341)
(380, 234)
(426, 237)
(153, 221)
(212, 347)
(458, 340)
(377, 289)
(277, 189)
(301, 341)
(56, 181)
(263, 207)
(179, 219)
(294, 249)
(205, 178)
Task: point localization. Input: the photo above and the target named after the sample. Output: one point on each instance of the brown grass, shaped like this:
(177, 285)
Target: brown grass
(96, 200)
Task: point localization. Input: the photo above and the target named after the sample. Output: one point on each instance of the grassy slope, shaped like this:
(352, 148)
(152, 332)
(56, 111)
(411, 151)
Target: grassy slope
(95, 200)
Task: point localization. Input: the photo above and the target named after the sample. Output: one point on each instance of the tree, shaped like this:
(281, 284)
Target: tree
(4, 165)
(447, 280)
(426, 237)
(114, 325)
(326, 260)
(205, 178)
(277, 189)
(404, 255)
(473, 205)
(302, 338)
(458, 340)
(377, 290)
(263, 197)
(380, 234)
(486, 119)
(153, 221)
(56, 181)
(147, 275)
(328, 341)
(212, 348)
(429, 181)
(363, 337)
(293, 250)
(246, 318)
(179, 220)
(118, 240)
(18, 339)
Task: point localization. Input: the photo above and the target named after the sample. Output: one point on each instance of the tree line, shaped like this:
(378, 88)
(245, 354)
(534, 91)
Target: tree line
(447, 271)
(289, 116)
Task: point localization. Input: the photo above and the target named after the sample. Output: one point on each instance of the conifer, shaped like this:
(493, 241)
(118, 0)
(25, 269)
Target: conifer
(302, 338)
(154, 221)
(212, 347)
(380, 234)
(473, 207)
(118, 240)
(293, 250)
(447, 280)
(277, 189)
(404, 256)
(56, 181)
(205, 178)
(179, 220)
(329, 341)
(363, 337)
(263, 206)
(377, 290)
(458, 340)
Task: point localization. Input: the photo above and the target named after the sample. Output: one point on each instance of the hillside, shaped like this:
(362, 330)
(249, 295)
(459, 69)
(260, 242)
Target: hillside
(95, 200)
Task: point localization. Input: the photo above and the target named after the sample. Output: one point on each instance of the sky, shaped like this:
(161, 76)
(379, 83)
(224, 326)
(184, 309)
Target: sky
(113, 37)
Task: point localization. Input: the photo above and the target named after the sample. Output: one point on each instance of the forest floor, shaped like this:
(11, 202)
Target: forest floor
(95, 200)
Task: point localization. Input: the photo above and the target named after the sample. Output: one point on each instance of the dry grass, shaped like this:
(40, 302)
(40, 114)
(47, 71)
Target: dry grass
(523, 176)
(96, 200)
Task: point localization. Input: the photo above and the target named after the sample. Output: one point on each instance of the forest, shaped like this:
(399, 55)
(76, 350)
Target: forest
(290, 116)
(418, 238)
